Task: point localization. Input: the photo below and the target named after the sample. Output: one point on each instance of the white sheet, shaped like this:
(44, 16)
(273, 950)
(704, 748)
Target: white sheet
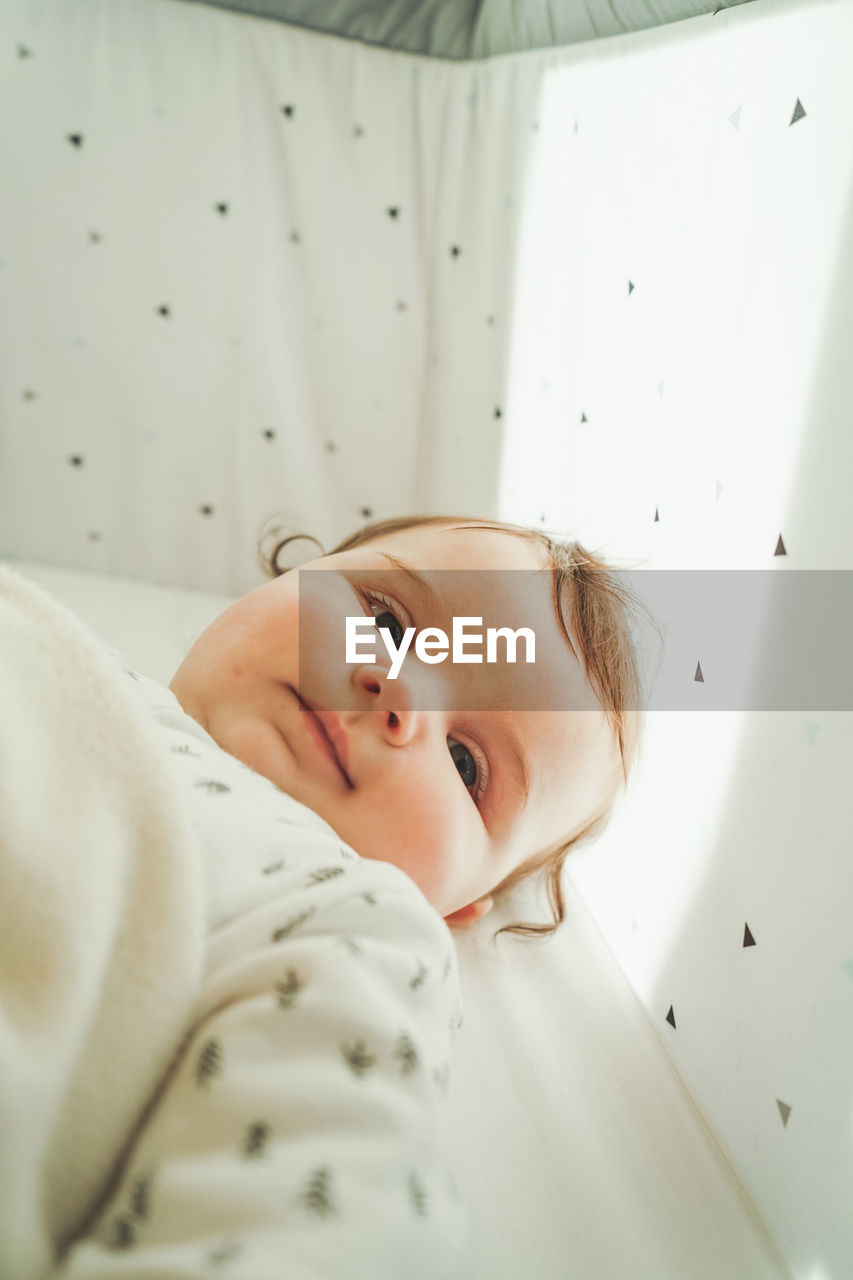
(576, 1147)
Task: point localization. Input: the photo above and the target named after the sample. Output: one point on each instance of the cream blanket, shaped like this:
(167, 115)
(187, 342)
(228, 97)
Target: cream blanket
(201, 1063)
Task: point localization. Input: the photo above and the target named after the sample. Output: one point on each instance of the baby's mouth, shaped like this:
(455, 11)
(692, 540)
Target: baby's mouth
(329, 729)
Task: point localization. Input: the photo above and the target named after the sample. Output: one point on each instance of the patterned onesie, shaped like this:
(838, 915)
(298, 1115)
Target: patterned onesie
(299, 1134)
(225, 1038)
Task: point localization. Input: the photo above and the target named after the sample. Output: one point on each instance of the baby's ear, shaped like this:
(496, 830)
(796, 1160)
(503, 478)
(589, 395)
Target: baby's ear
(467, 915)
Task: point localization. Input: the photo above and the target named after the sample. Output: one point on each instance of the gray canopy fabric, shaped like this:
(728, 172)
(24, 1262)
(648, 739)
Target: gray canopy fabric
(463, 29)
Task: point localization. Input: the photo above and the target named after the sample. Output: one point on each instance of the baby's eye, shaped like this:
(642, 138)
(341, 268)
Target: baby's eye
(472, 769)
(394, 625)
(386, 617)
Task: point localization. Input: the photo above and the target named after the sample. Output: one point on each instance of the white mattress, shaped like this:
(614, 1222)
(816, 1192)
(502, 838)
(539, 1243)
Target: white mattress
(577, 1147)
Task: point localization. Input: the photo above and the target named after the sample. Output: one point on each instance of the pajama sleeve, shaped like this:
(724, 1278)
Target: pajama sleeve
(300, 1130)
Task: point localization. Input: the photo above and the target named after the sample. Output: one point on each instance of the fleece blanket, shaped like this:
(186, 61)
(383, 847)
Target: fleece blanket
(225, 1039)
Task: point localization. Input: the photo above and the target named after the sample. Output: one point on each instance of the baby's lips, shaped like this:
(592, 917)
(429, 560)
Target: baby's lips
(332, 724)
(334, 732)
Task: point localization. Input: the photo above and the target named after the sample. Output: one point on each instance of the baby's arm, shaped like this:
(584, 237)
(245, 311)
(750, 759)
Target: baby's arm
(299, 1133)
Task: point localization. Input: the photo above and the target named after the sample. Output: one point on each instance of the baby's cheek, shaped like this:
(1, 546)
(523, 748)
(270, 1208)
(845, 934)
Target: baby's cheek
(417, 836)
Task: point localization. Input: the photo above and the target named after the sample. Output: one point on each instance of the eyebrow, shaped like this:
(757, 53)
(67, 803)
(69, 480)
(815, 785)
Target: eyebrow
(416, 579)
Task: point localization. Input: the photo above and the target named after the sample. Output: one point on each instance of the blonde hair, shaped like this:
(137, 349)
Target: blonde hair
(595, 613)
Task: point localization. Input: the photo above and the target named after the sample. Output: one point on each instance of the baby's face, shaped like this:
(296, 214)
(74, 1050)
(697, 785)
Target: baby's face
(408, 786)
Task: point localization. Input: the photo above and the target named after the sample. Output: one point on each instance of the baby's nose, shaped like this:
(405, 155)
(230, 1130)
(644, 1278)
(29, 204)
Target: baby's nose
(392, 701)
(399, 725)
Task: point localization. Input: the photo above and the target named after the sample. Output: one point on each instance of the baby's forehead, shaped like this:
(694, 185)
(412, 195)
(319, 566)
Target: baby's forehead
(493, 580)
(464, 546)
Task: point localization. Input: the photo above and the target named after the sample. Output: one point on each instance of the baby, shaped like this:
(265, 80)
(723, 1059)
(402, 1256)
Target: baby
(228, 999)
(467, 803)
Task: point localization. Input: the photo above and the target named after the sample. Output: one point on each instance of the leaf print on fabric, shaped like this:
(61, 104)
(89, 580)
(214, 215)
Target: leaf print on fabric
(289, 989)
(357, 1058)
(209, 1062)
(325, 873)
(227, 1251)
(418, 1195)
(317, 1197)
(214, 788)
(273, 867)
(123, 1234)
(420, 977)
(293, 923)
(407, 1054)
(257, 1136)
(441, 1076)
(140, 1196)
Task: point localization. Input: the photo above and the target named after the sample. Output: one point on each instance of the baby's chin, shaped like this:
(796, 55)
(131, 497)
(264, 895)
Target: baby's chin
(258, 745)
(182, 688)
